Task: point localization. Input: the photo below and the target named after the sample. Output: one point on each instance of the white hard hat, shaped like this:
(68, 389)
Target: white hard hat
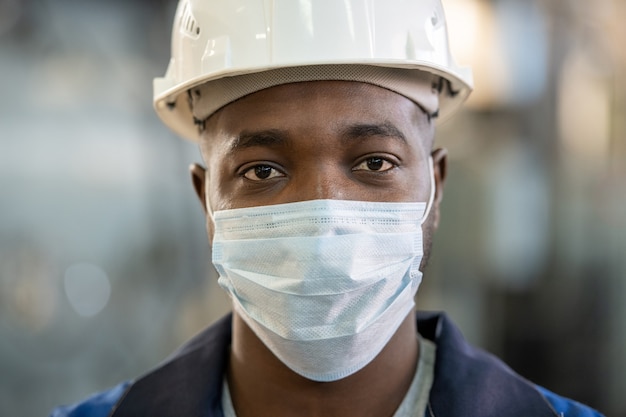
(216, 39)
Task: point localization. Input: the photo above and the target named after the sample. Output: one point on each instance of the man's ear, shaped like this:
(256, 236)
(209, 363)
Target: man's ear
(198, 179)
(440, 162)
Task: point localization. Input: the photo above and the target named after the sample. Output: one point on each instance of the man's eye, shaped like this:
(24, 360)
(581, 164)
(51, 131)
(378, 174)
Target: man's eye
(374, 164)
(262, 172)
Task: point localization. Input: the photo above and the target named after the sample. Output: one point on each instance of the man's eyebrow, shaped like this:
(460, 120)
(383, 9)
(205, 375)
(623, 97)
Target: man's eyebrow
(270, 137)
(366, 130)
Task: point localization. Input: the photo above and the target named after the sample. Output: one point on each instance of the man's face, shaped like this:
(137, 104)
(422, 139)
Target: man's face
(317, 140)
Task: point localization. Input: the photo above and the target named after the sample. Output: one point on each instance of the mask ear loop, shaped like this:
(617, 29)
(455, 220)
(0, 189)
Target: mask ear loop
(209, 209)
(431, 198)
(207, 200)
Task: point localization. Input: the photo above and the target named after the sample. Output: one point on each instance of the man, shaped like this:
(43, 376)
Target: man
(321, 191)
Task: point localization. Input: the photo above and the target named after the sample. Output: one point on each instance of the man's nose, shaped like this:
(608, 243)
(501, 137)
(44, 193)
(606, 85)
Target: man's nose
(327, 183)
(329, 189)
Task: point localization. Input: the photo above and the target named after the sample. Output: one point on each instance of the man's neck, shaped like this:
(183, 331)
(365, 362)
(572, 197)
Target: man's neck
(261, 385)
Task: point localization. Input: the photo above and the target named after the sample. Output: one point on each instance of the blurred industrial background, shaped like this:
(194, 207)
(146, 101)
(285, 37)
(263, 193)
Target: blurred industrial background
(104, 262)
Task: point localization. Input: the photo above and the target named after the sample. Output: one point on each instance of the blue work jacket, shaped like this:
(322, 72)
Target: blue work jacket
(468, 382)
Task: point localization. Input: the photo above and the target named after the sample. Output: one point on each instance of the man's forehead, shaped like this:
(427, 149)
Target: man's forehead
(346, 109)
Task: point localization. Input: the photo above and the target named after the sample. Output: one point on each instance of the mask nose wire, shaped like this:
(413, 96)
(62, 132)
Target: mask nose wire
(431, 198)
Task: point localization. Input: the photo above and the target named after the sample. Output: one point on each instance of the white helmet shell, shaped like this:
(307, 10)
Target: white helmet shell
(214, 39)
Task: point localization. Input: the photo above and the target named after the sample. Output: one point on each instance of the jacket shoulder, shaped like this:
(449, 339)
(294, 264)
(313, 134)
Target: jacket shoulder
(189, 383)
(471, 381)
(97, 405)
(178, 381)
(566, 407)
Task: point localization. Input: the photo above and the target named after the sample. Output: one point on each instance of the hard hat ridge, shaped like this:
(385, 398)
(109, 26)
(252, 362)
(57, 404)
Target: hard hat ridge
(422, 87)
(217, 45)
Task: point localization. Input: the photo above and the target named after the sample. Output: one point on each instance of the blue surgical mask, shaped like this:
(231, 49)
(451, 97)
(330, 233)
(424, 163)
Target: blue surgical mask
(324, 284)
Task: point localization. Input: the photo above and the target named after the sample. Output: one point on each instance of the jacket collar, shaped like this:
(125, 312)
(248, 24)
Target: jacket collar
(468, 381)
(471, 382)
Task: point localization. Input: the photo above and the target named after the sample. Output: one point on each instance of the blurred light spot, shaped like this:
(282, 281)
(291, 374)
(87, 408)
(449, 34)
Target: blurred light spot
(474, 42)
(463, 20)
(505, 45)
(27, 293)
(87, 288)
(584, 109)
